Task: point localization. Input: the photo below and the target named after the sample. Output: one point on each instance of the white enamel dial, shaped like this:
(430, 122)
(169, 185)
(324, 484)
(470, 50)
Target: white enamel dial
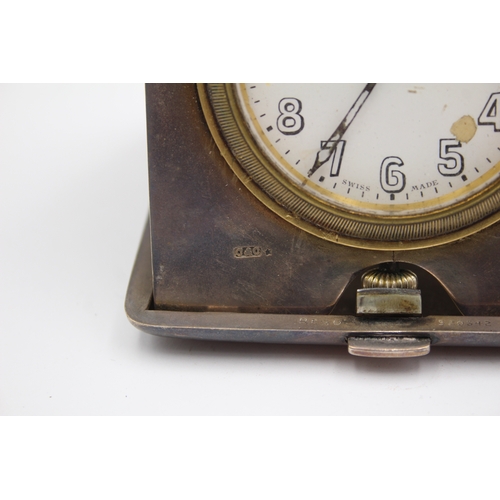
(386, 150)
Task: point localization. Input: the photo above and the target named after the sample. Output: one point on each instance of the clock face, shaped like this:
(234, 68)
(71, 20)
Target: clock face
(409, 149)
(403, 162)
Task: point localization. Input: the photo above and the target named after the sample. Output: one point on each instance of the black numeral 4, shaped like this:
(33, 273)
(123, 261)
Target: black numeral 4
(491, 112)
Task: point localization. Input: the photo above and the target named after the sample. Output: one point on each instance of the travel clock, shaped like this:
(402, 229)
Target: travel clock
(362, 215)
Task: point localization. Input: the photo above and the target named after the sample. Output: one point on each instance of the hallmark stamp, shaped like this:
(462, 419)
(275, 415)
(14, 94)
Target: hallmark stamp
(247, 252)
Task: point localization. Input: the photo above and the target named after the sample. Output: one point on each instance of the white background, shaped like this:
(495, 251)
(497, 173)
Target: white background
(73, 202)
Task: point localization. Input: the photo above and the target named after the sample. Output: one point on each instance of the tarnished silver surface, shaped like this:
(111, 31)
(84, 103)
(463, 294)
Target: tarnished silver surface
(217, 248)
(389, 347)
(292, 328)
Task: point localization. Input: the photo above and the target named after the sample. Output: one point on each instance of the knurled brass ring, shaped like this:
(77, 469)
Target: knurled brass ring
(325, 221)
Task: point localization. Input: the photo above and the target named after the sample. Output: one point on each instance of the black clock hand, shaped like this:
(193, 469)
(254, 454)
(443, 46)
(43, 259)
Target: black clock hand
(326, 152)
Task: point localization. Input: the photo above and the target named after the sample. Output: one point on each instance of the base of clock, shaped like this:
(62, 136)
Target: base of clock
(292, 328)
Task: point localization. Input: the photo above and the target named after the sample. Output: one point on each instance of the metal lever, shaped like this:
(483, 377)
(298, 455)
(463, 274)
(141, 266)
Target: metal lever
(389, 347)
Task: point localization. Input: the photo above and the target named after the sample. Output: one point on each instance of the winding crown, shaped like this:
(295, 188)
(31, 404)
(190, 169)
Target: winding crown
(379, 278)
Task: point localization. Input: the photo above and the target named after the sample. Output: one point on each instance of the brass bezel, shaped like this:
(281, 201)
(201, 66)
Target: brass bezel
(252, 167)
